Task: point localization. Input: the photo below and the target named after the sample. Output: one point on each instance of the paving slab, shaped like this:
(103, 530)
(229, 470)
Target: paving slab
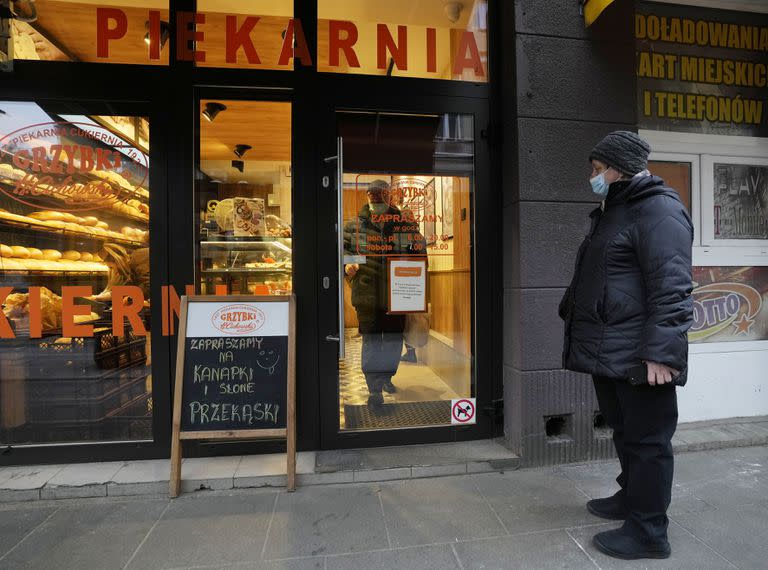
(25, 478)
(740, 534)
(14, 525)
(687, 552)
(211, 529)
(312, 563)
(421, 512)
(214, 473)
(535, 500)
(81, 480)
(270, 470)
(423, 557)
(86, 536)
(545, 550)
(417, 455)
(326, 520)
(595, 480)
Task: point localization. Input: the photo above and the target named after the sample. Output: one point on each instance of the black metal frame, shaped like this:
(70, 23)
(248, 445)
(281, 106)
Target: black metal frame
(170, 95)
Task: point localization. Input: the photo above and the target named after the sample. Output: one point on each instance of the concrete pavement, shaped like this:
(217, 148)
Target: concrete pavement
(531, 518)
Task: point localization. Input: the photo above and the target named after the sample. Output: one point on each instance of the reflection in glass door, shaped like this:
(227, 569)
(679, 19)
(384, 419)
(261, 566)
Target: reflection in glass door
(407, 273)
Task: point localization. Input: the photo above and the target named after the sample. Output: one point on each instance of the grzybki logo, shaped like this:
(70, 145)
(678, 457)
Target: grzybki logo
(413, 194)
(238, 319)
(721, 307)
(80, 166)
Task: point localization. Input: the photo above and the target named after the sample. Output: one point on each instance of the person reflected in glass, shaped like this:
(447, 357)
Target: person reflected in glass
(379, 231)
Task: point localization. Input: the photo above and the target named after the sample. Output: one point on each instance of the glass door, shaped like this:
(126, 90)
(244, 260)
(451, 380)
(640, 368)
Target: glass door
(402, 259)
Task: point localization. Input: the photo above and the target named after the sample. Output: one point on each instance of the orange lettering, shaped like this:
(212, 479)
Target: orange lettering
(171, 307)
(5, 327)
(69, 310)
(336, 44)
(35, 313)
(471, 61)
(220, 290)
(432, 50)
(21, 159)
(154, 34)
(121, 309)
(300, 50)
(185, 35)
(386, 43)
(237, 38)
(104, 33)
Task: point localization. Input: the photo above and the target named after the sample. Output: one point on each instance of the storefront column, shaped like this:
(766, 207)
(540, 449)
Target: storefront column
(563, 88)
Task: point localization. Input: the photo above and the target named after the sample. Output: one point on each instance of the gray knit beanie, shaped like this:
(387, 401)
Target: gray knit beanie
(624, 151)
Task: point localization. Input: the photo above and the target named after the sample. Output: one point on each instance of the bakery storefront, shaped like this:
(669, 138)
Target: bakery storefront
(150, 150)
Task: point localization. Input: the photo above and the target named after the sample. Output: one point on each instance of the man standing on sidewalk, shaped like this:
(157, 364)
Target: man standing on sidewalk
(627, 313)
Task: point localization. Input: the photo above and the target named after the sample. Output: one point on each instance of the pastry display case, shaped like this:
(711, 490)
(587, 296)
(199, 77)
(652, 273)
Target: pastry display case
(74, 212)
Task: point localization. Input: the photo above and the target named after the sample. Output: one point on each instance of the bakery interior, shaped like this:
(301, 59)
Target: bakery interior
(243, 191)
(57, 387)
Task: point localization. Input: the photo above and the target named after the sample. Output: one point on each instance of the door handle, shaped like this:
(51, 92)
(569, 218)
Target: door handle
(339, 158)
(332, 338)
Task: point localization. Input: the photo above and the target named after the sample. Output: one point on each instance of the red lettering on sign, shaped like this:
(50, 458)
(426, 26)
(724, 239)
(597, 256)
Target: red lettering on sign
(241, 38)
(336, 44)
(432, 50)
(185, 35)
(299, 48)
(386, 43)
(104, 33)
(154, 34)
(468, 61)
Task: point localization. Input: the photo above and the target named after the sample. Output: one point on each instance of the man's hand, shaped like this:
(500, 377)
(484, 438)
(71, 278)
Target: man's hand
(660, 374)
(351, 269)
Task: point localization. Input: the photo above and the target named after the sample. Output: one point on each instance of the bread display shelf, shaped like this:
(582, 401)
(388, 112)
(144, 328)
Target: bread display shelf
(47, 273)
(249, 243)
(63, 232)
(248, 270)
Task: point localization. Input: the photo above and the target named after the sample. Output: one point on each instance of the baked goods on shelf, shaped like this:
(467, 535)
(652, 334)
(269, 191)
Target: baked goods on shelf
(16, 306)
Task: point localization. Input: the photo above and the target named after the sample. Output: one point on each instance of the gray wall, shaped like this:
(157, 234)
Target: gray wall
(563, 88)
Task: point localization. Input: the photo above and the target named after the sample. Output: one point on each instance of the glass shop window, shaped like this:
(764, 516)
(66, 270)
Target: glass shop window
(75, 359)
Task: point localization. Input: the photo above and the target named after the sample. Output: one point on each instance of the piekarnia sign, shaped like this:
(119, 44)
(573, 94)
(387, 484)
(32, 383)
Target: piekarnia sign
(343, 35)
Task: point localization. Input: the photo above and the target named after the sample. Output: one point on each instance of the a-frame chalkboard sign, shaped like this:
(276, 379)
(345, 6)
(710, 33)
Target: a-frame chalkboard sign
(235, 374)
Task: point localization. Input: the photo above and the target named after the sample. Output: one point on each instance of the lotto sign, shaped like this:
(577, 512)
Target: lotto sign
(463, 411)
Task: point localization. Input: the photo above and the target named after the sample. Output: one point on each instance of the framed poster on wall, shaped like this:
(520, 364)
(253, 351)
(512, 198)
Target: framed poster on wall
(734, 201)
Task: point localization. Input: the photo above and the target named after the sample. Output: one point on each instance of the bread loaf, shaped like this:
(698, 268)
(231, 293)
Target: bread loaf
(86, 256)
(49, 216)
(19, 252)
(71, 255)
(90, 221)
(51, 255)
(8, 264)
(35, 253)
(5, 251)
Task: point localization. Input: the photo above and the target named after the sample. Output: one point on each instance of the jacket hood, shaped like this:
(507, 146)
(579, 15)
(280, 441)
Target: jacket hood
(638, 189)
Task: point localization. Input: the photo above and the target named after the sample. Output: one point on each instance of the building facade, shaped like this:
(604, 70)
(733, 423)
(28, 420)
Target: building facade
(414, 173)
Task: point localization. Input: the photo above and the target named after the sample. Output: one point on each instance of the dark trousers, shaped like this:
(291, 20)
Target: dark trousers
(380, 358)
(643, 419)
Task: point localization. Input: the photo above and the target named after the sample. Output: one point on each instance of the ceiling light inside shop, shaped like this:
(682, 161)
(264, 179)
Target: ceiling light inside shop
(165, 32)
(453, 10)
(212, 109)
(241, 149)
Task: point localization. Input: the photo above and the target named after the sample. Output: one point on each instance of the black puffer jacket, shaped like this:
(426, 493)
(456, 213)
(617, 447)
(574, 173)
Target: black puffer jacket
(379, 238)
(630, 297)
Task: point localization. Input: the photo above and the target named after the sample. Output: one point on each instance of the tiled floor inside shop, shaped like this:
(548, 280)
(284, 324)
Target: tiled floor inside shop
(415, 383)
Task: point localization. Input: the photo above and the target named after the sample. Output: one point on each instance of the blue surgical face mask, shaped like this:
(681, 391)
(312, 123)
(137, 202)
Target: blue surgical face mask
(599, 185)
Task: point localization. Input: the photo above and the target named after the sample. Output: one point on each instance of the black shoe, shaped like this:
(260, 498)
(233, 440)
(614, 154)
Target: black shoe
(618, 544)
(376, 401)
(389, 388)
(409, 356)
(611, 508)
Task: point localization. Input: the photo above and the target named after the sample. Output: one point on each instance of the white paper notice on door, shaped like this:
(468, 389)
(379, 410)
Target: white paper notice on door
(407, 286)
